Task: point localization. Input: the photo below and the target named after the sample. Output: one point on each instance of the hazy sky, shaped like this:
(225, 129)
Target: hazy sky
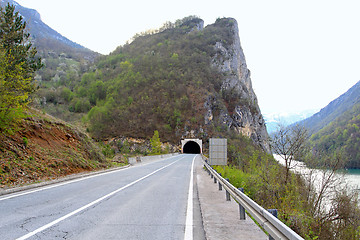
(302, 54)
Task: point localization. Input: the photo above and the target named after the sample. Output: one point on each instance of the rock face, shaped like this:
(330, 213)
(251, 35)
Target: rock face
(241, 111)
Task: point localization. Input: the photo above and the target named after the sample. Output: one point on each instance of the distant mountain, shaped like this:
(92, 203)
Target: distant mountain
(46, 39)
(333, 110)
(273, 120)
(335, 129)
(37, 28)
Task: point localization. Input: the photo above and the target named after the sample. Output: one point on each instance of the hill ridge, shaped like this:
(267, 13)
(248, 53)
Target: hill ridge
(333, 110)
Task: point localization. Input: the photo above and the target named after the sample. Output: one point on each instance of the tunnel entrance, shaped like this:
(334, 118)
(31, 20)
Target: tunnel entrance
(193, 146)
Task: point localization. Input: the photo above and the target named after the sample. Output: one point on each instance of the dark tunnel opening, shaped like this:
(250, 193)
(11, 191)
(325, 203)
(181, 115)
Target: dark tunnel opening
(191, 147)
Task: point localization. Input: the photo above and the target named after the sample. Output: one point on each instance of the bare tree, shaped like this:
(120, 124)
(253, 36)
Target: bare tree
(332, 205)
(289, 143)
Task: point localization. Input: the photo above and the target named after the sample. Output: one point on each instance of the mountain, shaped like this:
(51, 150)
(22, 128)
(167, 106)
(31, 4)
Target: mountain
(333, 110)
(335, 129)
(342, 136)
(185, 80)
(40, 32)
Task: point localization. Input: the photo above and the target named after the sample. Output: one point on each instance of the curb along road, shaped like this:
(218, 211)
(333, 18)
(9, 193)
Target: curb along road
(71, 177)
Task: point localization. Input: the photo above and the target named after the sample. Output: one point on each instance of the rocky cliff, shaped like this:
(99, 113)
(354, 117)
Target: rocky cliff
(244, 115)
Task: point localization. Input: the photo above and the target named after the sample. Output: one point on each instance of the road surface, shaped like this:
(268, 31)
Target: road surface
(150, 201)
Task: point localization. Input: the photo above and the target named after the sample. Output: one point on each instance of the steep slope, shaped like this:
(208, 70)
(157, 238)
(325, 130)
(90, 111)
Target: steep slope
(46, 148)
(185, 81)
(333, 110)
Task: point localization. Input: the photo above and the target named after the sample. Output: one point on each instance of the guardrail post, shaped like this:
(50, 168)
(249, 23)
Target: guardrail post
(227, 193)
(274, 212)
(220, 186)
(212, 176)
(215, 179)
(241, 208)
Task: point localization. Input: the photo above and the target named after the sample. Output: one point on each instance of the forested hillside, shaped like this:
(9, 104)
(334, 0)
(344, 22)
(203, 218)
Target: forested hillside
(335, 129)
(341, 136)
(168, 80)
(158, 82)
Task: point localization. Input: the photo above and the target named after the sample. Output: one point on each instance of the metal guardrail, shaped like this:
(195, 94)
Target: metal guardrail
(275, 228)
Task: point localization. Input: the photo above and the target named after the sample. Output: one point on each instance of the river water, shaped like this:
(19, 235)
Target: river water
(350, 177)
(353, 178)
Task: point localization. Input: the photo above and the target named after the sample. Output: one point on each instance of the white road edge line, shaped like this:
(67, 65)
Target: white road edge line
(91, 204)
(189, 211)
(67, 182)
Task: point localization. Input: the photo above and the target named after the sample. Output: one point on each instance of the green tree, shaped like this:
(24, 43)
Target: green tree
(15, 40)
(155, 143)
(17, 66)
(13, 93)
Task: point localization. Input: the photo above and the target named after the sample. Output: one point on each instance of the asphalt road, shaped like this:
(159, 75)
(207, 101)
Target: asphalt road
(150, 201)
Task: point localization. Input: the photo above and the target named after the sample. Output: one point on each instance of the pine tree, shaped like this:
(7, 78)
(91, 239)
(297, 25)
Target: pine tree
(18, 64)
(15, 40)
(155, 143)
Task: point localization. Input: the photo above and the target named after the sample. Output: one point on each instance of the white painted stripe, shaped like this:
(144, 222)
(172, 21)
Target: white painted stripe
(91, 204)
(189, 211)
(68, 182)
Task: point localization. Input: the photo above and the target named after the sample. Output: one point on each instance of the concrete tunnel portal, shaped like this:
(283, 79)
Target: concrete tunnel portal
(193, 146)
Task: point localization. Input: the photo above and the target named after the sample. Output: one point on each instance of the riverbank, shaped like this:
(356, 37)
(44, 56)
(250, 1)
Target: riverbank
(350, 177)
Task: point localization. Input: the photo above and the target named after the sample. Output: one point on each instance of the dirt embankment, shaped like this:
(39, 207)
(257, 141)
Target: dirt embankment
(46, 148)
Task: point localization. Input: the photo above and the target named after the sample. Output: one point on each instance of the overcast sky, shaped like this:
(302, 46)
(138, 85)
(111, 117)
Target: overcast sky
(302, 54)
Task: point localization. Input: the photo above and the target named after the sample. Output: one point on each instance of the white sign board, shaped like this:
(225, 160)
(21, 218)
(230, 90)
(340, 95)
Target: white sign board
(218, 151)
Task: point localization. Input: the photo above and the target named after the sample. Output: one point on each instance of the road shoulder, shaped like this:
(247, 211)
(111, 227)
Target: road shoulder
(221, 218)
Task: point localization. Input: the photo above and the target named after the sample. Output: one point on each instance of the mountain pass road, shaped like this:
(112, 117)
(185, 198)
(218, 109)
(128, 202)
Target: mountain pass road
(149, 201)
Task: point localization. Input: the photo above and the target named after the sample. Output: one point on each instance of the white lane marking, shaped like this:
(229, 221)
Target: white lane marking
(189, 211)
(91, 204)
(68, 182)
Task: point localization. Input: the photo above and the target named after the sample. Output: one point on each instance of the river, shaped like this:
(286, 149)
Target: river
(350, 177)
(353, 178)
